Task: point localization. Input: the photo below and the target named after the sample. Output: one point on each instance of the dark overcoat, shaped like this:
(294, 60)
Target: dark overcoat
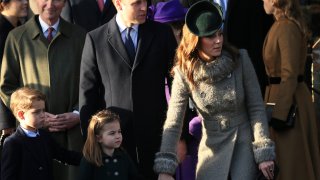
(115, 167)
(87, 14)
(137, 93)
(6, 118)
(31, 158)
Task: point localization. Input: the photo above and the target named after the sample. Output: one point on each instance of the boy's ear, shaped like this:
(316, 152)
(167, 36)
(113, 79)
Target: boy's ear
(20, 114)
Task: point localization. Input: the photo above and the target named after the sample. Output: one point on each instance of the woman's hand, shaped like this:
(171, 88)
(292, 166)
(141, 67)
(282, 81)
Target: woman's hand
(164, 176)
(267, 168)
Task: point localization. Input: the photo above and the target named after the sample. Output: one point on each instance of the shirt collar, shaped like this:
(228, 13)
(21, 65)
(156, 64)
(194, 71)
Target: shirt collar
(121, 25)
(45, 26)
(30, 133)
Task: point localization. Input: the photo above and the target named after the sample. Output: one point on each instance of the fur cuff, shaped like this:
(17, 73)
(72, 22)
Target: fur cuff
(264, 151)
(165, 162)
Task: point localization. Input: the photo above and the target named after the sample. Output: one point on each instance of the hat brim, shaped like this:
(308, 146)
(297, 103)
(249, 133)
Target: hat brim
(204, 11)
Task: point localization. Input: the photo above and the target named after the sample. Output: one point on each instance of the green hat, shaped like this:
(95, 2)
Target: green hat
(204, 18)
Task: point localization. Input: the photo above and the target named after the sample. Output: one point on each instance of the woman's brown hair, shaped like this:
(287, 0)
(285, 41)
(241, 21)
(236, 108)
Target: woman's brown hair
(292, 10)
(187, 58)
(92, 151)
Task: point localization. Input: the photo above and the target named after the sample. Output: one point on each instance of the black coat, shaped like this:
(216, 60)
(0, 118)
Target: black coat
(118, 166)
(7, 120)
(87, 14)
(247, 25)
(31, 158)
(137, 93)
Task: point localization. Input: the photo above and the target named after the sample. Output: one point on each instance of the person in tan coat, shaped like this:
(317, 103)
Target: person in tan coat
(284, 53)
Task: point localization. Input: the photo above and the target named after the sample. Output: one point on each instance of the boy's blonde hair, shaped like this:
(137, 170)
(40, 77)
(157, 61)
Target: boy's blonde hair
(22, 99)
(92, 151)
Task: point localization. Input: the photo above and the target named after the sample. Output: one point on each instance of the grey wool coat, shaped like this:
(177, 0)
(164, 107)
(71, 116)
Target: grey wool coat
(234, 127)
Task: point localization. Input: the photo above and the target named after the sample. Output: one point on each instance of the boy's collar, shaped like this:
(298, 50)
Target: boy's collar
(30, 133)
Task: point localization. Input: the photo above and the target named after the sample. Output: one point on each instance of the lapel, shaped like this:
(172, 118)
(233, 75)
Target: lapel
(34, 31)
(115, 40)
(144, 40)
(145, 37)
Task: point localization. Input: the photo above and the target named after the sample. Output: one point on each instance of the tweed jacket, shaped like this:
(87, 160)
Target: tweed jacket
(31, 158)
(235, 132)
(284, 53)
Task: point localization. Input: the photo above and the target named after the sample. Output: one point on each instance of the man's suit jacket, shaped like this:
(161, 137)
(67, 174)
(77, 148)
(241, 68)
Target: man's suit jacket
(31, 158)
(136, 93)
(87, 14)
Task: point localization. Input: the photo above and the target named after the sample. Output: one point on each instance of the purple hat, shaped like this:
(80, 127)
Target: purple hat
(166, 12)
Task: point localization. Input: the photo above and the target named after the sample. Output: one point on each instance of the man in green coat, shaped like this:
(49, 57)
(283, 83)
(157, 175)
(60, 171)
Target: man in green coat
(45, 54)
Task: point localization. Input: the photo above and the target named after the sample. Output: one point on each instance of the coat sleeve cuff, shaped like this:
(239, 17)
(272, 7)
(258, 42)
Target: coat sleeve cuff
(264, 151)
(165, 162)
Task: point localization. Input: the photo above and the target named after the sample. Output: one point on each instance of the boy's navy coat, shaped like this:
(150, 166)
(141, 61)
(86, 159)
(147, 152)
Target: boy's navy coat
(25, 158)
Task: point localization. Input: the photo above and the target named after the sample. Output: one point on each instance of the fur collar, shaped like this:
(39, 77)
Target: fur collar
(214, 71)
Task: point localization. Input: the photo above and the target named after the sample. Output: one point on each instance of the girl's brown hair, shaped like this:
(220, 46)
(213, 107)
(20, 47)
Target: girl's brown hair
(92, 151)
(187, 58)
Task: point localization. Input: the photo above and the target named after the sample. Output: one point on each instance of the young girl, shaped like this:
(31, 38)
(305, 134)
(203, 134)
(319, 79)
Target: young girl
(103, 157)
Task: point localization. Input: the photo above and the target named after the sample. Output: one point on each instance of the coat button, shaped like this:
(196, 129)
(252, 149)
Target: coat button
(106, 160)
(115, 160)
(224, 124)
(116, 173)
(40, 168)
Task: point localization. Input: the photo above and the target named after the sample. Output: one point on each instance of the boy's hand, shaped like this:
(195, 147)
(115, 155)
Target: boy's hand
(62, 122)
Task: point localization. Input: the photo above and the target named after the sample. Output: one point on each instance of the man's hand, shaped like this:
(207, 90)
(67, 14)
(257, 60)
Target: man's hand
(61, 122)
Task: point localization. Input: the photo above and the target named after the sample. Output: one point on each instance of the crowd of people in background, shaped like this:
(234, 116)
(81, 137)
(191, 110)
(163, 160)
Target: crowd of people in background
(155, 89)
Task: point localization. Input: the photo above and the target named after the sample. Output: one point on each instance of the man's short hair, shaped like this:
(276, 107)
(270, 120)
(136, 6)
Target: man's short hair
(22, 99)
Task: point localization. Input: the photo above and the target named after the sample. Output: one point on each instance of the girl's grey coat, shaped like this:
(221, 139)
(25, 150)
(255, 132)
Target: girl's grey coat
(235, 131)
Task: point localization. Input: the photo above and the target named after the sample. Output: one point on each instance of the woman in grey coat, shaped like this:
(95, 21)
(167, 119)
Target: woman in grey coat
(223, 85)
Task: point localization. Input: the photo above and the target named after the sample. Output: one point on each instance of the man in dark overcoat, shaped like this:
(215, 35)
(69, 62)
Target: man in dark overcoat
(111, 76)
(86, 13)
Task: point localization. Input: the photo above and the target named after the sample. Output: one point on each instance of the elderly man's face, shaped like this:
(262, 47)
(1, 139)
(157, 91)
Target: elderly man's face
(50, 10)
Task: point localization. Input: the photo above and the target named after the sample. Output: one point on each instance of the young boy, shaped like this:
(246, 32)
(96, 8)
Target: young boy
(28, 153)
